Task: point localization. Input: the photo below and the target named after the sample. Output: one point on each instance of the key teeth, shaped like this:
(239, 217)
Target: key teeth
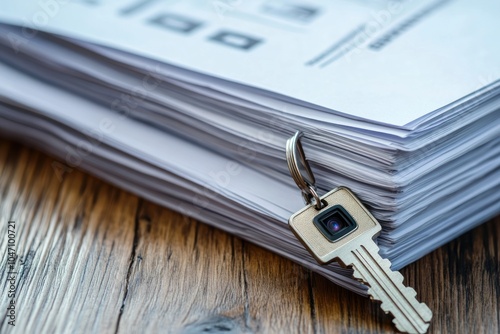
(373, 295)
(412, 292)
(426, 316)
(377, 271)
(427, 313)
(399, 277)
(386, 310)
(357, 275)
(402, 329)
(386, 263)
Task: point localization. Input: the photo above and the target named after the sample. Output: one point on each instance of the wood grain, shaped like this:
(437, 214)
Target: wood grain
(99, 259)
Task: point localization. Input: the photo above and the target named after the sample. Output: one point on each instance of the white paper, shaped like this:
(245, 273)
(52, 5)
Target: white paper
(379, 81)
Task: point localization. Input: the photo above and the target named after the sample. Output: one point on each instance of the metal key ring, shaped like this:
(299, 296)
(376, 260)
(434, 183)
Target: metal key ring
(297, 164)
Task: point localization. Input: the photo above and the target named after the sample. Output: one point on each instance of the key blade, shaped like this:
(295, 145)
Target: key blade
(386, 286)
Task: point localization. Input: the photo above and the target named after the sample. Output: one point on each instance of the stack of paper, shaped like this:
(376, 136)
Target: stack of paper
(190, 105)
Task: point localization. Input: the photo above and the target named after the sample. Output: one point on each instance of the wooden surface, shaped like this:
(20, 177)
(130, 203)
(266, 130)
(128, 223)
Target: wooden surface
(98, 259)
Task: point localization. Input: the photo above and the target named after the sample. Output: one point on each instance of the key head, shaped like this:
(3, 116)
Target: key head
(341, 225)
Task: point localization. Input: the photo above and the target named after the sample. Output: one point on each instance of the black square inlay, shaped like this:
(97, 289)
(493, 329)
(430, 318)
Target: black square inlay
(335, 223)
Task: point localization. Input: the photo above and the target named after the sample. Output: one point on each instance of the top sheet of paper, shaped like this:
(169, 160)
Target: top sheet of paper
(390, 62)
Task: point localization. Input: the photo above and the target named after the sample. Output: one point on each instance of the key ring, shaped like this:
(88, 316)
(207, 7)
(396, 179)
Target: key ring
(301, 171)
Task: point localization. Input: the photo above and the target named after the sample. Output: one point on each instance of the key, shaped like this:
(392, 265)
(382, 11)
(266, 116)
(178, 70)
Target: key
(342, 229)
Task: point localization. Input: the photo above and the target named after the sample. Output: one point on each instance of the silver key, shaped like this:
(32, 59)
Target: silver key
(342, 229)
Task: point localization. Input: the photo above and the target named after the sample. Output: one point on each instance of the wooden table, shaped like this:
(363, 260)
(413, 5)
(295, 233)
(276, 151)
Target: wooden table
(99, 259)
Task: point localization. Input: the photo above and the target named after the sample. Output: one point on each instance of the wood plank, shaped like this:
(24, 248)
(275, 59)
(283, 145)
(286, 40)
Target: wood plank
(278, 293)
(183, 275)
(98, 259)
(75, 250)
(461, 282)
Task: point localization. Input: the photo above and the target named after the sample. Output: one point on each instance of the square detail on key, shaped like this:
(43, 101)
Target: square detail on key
(335, 223)
(322, 247)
